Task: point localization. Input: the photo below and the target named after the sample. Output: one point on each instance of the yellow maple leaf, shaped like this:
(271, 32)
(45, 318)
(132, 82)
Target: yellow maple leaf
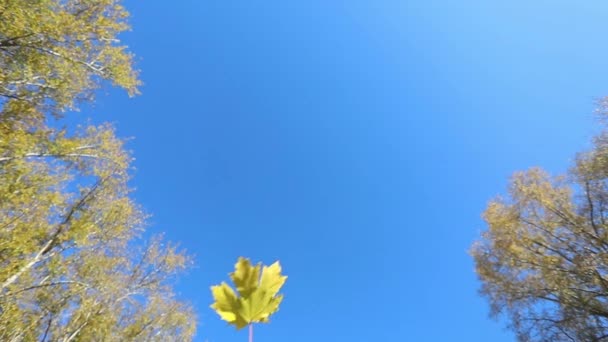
(257, 298)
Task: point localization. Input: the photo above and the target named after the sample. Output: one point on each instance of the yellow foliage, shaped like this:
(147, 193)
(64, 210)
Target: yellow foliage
(257, 298)
(71, 262)
(543, 261)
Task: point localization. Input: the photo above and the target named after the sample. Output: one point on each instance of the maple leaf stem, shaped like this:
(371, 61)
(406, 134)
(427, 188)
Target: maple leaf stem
(250, 332)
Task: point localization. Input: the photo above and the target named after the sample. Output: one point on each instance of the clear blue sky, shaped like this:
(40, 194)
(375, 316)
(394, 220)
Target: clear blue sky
(356, 141)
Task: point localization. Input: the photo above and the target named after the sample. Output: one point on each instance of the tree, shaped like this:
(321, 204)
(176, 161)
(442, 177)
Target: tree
(543, 262)
(54, 53)
(74, 263)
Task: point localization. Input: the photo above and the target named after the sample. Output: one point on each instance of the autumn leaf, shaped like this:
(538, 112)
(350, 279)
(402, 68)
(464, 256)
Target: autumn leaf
(257, 298)
(227, 305)
(245, 277)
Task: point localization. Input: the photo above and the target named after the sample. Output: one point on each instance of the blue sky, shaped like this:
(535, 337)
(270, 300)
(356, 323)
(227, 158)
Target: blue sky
(355, 141)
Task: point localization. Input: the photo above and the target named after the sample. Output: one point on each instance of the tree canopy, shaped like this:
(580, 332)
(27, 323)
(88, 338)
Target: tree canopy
(544, 259)
(74, 262)
(55, 53)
